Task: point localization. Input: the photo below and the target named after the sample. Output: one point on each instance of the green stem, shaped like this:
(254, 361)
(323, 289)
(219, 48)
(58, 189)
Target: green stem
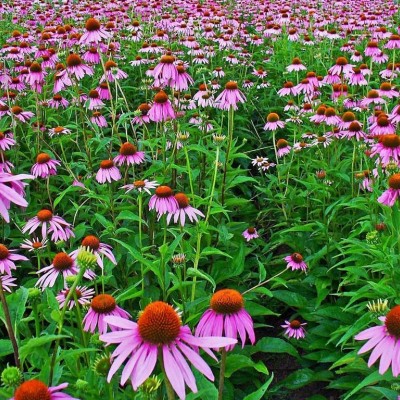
(196, 263)
(140, 203)
(36, 317)
(222, 374)
(231, 114)
(82, 270)
(189, 174)
(9, 326)
(80, 326)
(168, 386)
(213, 183)
(264, 282)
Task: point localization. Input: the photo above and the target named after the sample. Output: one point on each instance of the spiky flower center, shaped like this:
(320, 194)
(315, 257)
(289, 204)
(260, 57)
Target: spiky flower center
(341, 61)
(93, 94)
(32, 390)
(355, 127)
(296, 61)
(386, 86)
(373, 94)
(330, 112)
(92, 24)
(391, 140)
(295, 324)
(139, 184)
(167, 59)
(161, 97)
(43, 158)
(288, 85)
(297, 258)
(35, 67)
(73, 60)
(392, 320)
(394, 181)
(127, 149)
(348, 116)
(272, 117)
(16, 110)
(159, 323)
(231, 85)
(91, 241)
(227, 301)
(321, 110)
(281, 143)
(144, 108)
(109, 65)
(182, 200)
(44, 215)
(4, 252)
(103, 303)
(164, 191)
(251, 230)
(382, 121)
(106, 164)
(62, 261)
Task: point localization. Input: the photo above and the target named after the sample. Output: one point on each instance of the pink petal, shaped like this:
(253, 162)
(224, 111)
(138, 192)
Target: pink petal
(174, 373)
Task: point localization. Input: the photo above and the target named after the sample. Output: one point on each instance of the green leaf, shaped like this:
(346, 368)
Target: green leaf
(259, 394)
(130, 293)
(388, 393)
(291, 298)
(5, 347)
(208, 251)
(303, 377)
(39, 342)
(256, 309)
(202, 275)
(274, 345)
(372, 378)
(235, 362)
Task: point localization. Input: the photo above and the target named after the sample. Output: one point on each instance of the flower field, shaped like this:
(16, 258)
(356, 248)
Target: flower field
(199, 200)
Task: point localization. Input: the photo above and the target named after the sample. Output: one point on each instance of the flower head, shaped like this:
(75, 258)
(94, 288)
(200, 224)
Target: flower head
(227, 317)
(184, 210)
(129, 155)
(383, 339)
(108, 172)
(294, 329)
(230, 97)
(83, 295)
(37, 390)
(101, 306)
(163, 201)
(159, 330)
(389, 197)
(250, 233)
(141, 185)
(295, 262)
(7, 258)
(44, 166)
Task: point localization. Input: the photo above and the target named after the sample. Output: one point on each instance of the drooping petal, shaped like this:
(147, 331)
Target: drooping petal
(185, 368)
(173, 373)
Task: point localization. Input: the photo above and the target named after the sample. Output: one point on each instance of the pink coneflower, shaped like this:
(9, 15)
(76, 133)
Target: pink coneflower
(184, 210)
(283, 147)
(108, 172)
(141, 116)
(393, 43)
(294, 329)
(382, 126)
(380, 58)
(34, 245)
(389, 197)
(218, 72)
(92, 56)
(166, 71)
(365, 70)
(112, 72)
(330, 117)
(129, 155)
(104, 91)
(44, 166)
(341, 67)
(98, 119)
(18, 113)
(83, 295)
(227, 317)
(94, 33)
(354, 130)
(11, 191)
(7, 258)
(76, 68)
(384, 341)
(295, 262)
(394, 116)
(141, 185)
(163, 201)
(95, 102)
(355, 77)
(57, 101)
(386, 89)
(35, 389)
(251, 232)
(161, 110)
(296, 65)
(97, 248)
(62, 264)
(273, 122)
(159, 330)
(183, 79)
(356, 56)
(288, 89)
(58, 130)
(6, 140)
(101, 306)
(7, 281)
(230, 96)
(35, 77)
(372, 49)
(50, 223)
(305, 87)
